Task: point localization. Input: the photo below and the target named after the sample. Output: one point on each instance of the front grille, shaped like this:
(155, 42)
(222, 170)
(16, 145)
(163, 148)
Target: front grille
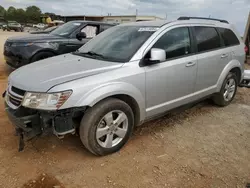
(15, 100)
(14, 97)
(7, 43)
(18, 91)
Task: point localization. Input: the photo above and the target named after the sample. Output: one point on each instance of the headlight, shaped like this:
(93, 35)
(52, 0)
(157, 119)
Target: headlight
(24, 44)
(45, 101)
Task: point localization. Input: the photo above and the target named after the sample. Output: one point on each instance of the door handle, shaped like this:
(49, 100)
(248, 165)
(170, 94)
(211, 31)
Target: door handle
(190, 64)
(224, 55)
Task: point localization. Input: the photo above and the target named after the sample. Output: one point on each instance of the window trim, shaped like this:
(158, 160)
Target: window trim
(195, 41)
(218, 30)
(73, 35)
(192, 48)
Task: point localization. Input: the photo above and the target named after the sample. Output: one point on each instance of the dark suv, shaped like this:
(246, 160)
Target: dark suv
(22, 50)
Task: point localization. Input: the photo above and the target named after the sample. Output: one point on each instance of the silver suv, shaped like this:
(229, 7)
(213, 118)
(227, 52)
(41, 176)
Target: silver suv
(125, 76)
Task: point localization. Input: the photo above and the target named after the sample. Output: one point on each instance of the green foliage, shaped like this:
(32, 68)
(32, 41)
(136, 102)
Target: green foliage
(20, 15)
(11, 13)
(32, 14)
(43, 20)
(2, 11)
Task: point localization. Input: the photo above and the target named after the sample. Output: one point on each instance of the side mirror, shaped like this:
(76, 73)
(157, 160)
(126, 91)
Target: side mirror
(157, 55)
(81, 35)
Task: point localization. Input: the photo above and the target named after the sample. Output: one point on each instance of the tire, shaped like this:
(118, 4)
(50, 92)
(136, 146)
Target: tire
(219, 98)
(41, 55)
(94, 120)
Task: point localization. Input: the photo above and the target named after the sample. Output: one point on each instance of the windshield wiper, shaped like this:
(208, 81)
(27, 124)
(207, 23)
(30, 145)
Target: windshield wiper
(91, 53)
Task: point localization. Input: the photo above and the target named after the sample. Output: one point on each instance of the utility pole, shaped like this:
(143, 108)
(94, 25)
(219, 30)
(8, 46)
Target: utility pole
(136, 12)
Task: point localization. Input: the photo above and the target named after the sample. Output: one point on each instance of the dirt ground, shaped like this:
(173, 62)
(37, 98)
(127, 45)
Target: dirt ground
(205, 146)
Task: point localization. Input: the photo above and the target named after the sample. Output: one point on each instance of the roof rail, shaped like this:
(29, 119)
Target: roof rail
(201, 18)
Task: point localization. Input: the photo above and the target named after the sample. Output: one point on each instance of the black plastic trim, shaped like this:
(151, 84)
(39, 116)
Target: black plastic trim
(201, 18)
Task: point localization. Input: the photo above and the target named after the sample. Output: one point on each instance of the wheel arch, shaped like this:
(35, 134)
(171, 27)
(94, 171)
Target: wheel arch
(235, 67)
(122, 91)
(131, 102)
(41, 51)
(237, 72)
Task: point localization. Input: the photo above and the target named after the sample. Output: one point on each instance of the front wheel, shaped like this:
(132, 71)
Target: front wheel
(106, 127)
(227, 92)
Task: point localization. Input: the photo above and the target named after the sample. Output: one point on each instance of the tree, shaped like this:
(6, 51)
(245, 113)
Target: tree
(2, 11)
(33, 14)
(11, 13)
(20, 15)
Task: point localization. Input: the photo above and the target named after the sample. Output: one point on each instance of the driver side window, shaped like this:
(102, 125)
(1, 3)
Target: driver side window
(90, 30)
(175, 42)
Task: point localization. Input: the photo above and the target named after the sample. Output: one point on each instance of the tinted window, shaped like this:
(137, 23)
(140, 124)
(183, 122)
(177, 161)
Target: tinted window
(228, 37)
(104, 27)
(66, 29)
(175, 42)
(207, 38)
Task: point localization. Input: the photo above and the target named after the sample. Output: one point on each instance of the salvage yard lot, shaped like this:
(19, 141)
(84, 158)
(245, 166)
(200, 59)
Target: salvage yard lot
(205, 146)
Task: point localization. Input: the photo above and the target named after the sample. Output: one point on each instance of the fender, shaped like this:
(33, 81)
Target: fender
(110, 89)
(232, 64)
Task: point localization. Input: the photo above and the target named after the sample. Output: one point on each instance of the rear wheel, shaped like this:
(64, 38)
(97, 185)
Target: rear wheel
(106, 127)
(228, 91)
(42, 55)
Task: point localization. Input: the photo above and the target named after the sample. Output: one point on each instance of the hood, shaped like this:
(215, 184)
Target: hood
(43, 75)
(40, 32)
(34, 38)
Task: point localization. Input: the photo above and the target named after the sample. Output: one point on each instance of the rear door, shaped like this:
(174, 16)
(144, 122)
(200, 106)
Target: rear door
(212, 57)
(232, 44)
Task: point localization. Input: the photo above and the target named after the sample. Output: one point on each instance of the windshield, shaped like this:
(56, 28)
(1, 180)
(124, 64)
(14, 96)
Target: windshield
(66, 29)
(12, 23)
(118, 43)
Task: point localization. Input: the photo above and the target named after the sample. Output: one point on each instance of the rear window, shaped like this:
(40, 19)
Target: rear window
(207, 38)
(228, 37)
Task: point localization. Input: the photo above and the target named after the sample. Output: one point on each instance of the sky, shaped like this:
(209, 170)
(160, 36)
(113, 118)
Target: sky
(235, 11)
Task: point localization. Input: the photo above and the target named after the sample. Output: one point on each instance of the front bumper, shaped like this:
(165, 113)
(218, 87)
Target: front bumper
(29, 125)
(15, 61)
(17, 56)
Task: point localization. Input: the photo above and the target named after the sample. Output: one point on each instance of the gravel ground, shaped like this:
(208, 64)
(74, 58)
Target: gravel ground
(205, 146)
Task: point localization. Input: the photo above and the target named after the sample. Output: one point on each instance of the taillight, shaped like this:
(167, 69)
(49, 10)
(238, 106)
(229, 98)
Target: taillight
(246, 49)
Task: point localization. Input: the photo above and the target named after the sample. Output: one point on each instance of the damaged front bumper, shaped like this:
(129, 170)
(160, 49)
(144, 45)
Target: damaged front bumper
(30, 123)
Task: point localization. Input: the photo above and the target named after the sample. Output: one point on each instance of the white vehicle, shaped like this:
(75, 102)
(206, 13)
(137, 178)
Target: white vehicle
(39, 26)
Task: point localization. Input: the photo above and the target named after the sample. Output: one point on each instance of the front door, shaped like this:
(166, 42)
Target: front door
(90, 30)
(170, 84)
